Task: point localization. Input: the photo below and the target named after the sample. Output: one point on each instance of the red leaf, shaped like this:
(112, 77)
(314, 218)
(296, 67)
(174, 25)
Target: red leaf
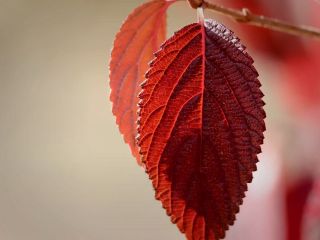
(139, 37)
(296, 198)
(200, 127)
(300, 89)
(312, 214)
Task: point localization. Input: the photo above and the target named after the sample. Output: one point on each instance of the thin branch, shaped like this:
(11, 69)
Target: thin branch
(195, 3)
(245, 16)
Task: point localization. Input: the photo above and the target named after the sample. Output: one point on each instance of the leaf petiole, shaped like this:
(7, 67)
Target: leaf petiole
(200, 13)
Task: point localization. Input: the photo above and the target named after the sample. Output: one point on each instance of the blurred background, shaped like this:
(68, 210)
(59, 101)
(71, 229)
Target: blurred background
(65, 172)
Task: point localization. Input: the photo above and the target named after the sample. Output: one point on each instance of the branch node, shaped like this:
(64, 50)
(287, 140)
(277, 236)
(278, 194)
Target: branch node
(246, 15)
(195, 3)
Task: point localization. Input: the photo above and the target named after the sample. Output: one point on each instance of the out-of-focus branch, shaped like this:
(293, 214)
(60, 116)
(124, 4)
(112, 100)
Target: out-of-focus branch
(245, 16)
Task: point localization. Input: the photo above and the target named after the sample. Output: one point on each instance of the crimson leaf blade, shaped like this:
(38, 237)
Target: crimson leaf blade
(201, 124)
(139, 37)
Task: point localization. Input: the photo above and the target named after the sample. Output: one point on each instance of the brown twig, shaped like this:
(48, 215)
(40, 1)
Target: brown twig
(245, 16)
(195, 3)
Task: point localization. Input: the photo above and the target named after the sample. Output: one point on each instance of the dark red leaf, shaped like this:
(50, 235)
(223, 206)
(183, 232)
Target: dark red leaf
(296, 196)
(139, 37)
(200, 127)
(311, 228)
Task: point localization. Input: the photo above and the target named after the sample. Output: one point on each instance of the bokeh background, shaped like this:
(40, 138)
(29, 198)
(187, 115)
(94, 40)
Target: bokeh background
(65, 172)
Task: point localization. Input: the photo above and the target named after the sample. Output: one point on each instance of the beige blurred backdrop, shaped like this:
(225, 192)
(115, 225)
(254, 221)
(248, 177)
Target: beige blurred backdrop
(65, 173)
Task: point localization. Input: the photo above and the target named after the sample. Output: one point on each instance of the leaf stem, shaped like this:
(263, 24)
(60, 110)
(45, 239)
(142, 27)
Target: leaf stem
(246, 16)
(200, 15)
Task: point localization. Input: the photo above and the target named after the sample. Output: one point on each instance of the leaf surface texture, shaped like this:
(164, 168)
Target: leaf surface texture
(139, 37)
(201, 124)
